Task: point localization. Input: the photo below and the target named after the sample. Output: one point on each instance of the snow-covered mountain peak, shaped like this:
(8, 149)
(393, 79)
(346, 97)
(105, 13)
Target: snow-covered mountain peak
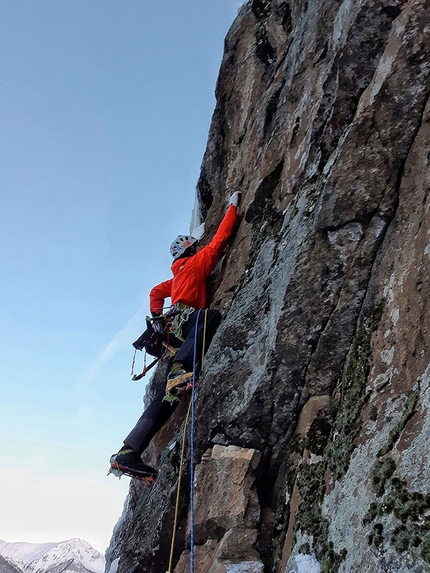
(74, 549)
(74, 555)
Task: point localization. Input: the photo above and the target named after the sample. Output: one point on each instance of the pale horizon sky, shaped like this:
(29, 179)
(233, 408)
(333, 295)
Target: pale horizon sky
(106, 107)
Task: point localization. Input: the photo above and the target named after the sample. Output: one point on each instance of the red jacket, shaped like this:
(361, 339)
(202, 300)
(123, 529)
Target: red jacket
(189, 284)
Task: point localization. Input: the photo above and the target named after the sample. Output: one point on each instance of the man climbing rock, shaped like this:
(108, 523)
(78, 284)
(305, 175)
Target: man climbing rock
(188, 290)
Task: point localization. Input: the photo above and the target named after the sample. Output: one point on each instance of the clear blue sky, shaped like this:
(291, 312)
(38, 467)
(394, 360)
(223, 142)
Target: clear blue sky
(105, 110)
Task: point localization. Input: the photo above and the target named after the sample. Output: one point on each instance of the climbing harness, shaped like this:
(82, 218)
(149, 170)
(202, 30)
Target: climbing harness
(178, 314)
(191, 438)
(179, 384)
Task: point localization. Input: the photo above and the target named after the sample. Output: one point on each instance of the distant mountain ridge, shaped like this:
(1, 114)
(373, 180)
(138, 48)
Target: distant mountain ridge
(72, 556)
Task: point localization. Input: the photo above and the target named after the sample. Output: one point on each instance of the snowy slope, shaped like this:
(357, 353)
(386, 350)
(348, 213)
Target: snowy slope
(6, 567)
(24, 552)
(74, 555)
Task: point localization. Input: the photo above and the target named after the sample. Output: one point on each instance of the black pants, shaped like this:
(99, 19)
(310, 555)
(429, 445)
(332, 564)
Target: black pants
(158, 412)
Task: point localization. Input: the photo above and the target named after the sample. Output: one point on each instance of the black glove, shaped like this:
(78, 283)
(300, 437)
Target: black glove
(158, 324)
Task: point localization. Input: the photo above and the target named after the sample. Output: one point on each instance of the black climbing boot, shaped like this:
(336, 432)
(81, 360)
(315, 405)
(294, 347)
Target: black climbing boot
(128, 462)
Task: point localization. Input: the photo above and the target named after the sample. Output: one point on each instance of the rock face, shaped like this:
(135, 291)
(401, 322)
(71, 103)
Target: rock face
(313, 409)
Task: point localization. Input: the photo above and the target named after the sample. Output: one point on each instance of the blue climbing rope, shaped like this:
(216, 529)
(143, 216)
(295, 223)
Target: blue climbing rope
(192, 448)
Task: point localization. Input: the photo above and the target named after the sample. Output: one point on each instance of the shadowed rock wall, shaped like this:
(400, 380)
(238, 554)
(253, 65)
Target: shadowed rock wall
(319, 372)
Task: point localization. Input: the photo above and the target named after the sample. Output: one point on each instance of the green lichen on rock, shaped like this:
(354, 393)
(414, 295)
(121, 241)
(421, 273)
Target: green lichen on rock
(317, 435)
(425, 549)
(375, 537)
(311, 484)
(371, 514)
(313, 193)
(346, 428)
(382, 472)
(333, 444)
(398, 428)
(410, 509)
(310, 481)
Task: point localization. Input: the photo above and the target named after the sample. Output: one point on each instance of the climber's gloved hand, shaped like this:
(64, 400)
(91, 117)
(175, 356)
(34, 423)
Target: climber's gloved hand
(158, 324)
(235, 198)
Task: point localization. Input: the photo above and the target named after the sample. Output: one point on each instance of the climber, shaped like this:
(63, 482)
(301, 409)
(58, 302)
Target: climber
(188, 290)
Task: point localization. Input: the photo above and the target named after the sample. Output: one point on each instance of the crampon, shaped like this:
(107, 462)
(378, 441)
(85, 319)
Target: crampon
(119, 470)
(180, 384)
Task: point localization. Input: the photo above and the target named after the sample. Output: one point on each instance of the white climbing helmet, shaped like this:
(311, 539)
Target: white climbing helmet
(180, 245)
